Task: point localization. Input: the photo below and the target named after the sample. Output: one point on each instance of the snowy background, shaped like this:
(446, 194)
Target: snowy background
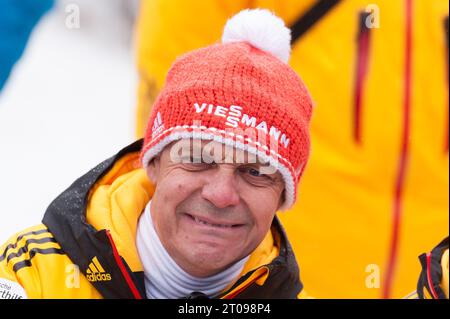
(68, 105)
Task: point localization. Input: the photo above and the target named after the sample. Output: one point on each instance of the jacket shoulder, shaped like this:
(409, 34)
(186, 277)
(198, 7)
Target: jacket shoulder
(22, 257)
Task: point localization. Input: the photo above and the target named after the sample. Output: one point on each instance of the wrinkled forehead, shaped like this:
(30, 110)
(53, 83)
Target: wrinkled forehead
(209, 151)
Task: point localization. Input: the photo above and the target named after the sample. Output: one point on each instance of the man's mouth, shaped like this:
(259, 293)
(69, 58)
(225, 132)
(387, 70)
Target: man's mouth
(211, 223)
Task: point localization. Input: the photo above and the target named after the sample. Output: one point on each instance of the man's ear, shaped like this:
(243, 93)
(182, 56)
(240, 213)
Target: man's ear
(153, 170)
(282, 199)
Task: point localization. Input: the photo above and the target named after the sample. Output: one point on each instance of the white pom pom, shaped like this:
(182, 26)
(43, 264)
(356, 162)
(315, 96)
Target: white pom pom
(262, 29)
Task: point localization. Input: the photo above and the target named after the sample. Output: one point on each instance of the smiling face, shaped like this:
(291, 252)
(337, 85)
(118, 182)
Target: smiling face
(210, 214)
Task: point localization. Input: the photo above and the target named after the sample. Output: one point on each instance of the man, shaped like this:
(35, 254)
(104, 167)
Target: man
(190, 211)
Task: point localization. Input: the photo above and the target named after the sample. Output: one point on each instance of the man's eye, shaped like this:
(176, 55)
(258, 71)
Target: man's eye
(254, 172)
(196, 164)
(255, 176)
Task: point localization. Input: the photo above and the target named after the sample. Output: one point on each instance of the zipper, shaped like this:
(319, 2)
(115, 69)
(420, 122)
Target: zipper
(447, 124)
(403, 160)
(429, 280)
(362, 59)
(123, 269)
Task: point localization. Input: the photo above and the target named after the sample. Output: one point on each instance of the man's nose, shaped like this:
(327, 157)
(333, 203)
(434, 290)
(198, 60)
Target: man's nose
(221, 190)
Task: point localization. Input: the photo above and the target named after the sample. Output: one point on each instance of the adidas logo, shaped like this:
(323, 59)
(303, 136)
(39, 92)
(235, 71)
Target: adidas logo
(95, 272)
(158, 125)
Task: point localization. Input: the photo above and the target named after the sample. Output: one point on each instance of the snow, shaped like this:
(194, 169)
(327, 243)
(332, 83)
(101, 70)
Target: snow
(68, 105)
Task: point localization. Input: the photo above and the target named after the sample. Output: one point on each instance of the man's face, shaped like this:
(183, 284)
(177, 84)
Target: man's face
(210, 214)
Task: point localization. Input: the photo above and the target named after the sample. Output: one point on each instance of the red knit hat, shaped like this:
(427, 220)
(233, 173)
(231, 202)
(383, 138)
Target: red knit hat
(224, 92)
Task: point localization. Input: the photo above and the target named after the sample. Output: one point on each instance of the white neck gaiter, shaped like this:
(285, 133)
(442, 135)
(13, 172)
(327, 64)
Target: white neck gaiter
(164, 279)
